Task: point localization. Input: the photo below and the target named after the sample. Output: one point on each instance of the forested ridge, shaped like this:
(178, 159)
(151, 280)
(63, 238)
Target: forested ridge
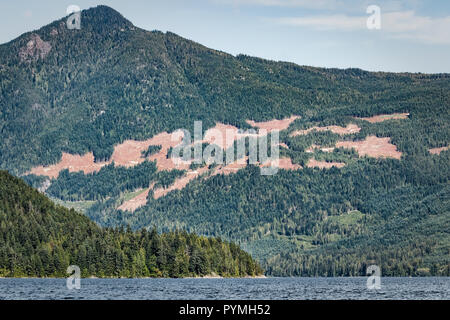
(41, 239)
(317, 222)
(111, 81)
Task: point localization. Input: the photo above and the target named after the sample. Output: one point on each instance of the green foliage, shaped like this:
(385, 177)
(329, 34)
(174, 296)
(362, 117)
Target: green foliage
(39, 238)
(412, 239)
(151, 150)
(35, 181)
(312, 210)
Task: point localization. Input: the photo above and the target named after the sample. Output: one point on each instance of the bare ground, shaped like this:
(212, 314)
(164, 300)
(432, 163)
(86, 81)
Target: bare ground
(384, 117)
(231, 133)
(136, 202)
(180, 183)
(438, 150)
(74, 163)
(350, 129)
(313, 163)
(284, 163)
(373, 146)
(275, 124)
(226, 132)
(128, 154)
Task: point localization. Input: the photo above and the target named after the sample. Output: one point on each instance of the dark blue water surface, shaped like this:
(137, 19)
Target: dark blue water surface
(269, 288)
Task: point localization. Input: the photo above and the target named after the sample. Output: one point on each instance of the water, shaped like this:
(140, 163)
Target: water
(269, 288)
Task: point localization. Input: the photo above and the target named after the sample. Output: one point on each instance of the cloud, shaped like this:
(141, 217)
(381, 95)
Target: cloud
(399, 25)
(407, 25)
(398, 17)
(342, 5)
(326, 22)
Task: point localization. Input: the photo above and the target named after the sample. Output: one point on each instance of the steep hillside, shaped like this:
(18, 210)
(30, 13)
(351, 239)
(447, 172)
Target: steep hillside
(87, 116)
(39, 238)
(86, 90)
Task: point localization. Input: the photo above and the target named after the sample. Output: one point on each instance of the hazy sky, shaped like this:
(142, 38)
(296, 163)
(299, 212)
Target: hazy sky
(414, 34)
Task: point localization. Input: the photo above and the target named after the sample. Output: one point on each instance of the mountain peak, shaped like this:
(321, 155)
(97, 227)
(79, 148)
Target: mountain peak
(103, 16)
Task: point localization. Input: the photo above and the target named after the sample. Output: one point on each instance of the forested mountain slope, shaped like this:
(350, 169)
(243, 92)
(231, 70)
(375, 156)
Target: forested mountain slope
(77, 96)
(89, 89)
(39, 238)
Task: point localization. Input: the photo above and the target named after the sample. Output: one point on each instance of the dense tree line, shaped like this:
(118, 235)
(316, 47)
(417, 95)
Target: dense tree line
(39, 238)
(305, 211)
(414, 241)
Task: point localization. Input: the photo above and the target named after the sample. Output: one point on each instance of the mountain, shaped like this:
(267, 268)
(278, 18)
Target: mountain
(42, 239)
(86, 115)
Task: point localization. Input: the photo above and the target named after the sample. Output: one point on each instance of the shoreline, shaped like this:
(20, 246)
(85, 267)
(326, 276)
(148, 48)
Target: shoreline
(198, 277)
(220, 277)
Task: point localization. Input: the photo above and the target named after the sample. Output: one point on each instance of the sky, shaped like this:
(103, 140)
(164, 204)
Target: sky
(413, 35)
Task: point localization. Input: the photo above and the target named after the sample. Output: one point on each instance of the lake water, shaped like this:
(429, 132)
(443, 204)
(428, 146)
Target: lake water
(269, 288)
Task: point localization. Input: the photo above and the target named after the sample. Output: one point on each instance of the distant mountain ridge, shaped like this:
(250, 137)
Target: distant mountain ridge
(111, 81)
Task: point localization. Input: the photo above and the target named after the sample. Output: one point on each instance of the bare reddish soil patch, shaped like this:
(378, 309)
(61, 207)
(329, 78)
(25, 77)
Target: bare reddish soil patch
(373, 146)
(438, 150)
(284, 163)
(384, 117)
(164, 139)
(36, 48)
(284, 145)
(128, 154)
(74, 163)
(350, 129)
(138, 201)
(222, 135)
(313, 163)
(275, 124)
(180, 183)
